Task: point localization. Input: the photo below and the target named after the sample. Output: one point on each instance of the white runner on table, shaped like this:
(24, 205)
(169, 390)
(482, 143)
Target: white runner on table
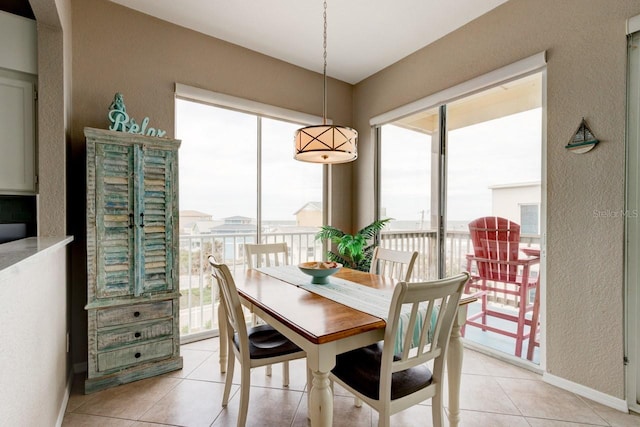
(369, 300)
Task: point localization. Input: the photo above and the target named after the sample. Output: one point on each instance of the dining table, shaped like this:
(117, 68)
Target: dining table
(324, 328)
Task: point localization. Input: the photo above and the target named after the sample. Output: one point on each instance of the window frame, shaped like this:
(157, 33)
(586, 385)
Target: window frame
(260, 111)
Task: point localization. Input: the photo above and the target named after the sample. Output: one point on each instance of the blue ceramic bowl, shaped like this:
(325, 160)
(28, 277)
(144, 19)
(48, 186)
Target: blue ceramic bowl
(318, 271)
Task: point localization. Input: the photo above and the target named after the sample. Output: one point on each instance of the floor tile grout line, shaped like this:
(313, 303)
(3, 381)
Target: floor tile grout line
(581, 423)
(553, 419)
(295, 413)
(161, 397)
(508, 397)
(586, 402)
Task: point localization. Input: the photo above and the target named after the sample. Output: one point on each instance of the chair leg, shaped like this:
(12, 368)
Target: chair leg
(245, 386)
(268, 370)
(309, 385)
(436, 409)
(533, 330)
(383, 420)
(522, 309)
(484, 303)
(285, 374)
(228, 379)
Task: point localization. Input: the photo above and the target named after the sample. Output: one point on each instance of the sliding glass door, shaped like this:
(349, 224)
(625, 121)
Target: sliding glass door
(486, 163)
(408, 154)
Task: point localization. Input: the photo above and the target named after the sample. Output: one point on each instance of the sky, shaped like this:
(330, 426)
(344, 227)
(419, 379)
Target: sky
(495, 152)
(218, 164)
(218, 158)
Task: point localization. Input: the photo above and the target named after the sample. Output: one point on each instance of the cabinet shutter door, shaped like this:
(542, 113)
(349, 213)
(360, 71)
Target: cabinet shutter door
(159, 210)
(114, 221)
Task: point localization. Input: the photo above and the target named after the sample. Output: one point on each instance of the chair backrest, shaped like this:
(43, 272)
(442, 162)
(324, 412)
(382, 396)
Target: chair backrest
(433, 305)
(235, 318)
(495, 239)
(266, 255)
(393, 263)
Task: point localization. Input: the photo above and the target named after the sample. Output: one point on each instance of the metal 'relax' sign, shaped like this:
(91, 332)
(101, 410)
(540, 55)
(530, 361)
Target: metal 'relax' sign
(121, 122)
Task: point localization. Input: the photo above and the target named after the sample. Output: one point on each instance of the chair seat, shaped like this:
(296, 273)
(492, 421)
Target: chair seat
(264, 341)
(531, 282)
(360, 369)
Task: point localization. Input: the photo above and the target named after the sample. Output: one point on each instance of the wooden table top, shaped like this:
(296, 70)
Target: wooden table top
(316, 318)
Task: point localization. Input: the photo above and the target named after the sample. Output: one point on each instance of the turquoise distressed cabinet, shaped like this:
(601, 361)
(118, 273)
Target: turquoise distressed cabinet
(132, 257)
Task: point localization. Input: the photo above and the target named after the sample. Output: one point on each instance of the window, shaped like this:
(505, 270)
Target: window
(239, 184)
(529, 219)
(237, 170)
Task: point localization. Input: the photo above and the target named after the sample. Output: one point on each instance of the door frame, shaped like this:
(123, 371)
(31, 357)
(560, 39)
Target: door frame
(527, 66)
(632, 222)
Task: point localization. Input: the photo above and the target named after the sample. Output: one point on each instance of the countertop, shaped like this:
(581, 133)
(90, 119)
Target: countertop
(12, 254)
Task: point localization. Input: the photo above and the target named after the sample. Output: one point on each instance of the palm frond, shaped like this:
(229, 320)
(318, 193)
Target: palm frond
(370, 231)
(353, 251)
(329, 232)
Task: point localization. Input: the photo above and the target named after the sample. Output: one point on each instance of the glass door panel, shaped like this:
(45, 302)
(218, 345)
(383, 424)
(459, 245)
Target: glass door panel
(493, 158)
(408, 154)
(217, 190)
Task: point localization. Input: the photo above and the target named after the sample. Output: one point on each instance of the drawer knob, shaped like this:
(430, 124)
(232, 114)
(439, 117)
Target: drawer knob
(137, 334)
(136, 314)
(137, 355)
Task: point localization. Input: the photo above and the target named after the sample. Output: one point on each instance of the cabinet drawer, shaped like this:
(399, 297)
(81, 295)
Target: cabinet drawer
(133, 355)
(136, 332)
(134, 313)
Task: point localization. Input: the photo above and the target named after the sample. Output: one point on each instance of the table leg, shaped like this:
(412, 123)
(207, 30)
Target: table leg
(321, 400)
(454, 367)
(222, 328)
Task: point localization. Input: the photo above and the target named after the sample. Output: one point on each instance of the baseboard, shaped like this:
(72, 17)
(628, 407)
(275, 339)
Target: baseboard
(65, 400)
(503, 357)
(589, 393)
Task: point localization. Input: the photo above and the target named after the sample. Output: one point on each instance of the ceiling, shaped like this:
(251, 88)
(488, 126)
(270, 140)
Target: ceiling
(363, 36)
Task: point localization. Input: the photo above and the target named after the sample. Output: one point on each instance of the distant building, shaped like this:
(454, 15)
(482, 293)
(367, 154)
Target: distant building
(188, 218)
(310, 215)
(235, 225)
(204, 227)
(519, 203)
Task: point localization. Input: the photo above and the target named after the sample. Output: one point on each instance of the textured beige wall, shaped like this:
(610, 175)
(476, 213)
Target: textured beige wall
(115, 49)
(586, 54)
(52, 118)
(119, 50)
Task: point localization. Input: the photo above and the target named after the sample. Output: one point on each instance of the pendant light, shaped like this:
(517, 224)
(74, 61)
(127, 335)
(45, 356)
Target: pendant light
(326, 143)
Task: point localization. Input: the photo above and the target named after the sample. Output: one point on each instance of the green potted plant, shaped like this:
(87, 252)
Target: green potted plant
(354, 251)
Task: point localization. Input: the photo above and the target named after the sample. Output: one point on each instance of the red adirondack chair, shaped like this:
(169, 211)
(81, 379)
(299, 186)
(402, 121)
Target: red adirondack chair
(501, 269)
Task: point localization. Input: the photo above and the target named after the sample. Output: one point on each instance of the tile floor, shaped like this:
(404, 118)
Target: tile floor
(501, 343)
(494, 393)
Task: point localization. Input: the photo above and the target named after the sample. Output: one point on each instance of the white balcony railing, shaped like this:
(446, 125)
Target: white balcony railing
(198, 295)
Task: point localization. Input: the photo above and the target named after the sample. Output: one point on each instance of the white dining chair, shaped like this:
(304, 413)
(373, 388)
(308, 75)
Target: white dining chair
(254, 347)
(390, 382)
(266, 254)
(393, 263)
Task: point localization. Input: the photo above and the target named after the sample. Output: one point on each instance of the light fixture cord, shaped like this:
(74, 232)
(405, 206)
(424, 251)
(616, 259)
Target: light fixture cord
(324, 96)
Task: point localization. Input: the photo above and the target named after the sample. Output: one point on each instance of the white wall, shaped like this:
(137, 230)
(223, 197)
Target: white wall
(33, 354)
(506, 201)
